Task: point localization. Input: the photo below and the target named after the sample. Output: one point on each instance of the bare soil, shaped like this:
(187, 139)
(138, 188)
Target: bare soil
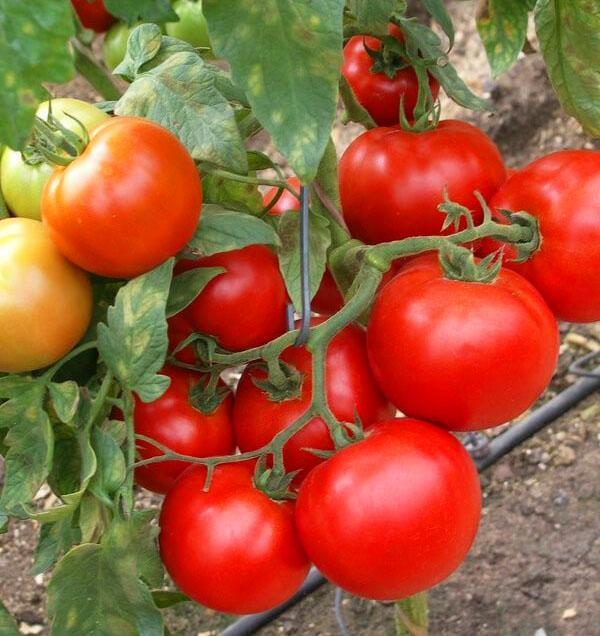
(534, 569)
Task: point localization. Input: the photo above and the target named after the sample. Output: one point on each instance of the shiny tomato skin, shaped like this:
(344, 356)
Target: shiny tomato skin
(245, 306)
(287, 201)
(93, 14)
(350, 390)
(392, 181)
(464, 355)
(232, 548)
(174, 422)
(379, 94)
(562, 190)
(329, 299)
(128, 203)
(391, 515)
(45, 301)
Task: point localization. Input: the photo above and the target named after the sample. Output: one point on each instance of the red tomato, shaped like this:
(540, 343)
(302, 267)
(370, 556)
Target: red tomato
(93, 14)
(174, 422)
(350, 389)
(392, 515)
(287, 201)
(329, 299)
(392, 181)
(180, 329)
(562, 190)
(128, 203)
(245, 306)
(464, 355)
(232, 548)
(379, 94)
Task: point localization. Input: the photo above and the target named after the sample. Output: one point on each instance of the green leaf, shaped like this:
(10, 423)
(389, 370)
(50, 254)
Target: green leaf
(429, 45)
(569, 35)
(164, 598)
(134, 341)
(65, 399)
(181, 94)
(33, 49)
(14, 385)
(289, 255)
(56, 537)
(29, 457)
(232, 195)
(131, 11)
(8, 626)
(372, 16)
(223, 230)
(186, 286)
(91, 517)
(112, 467)
(502, 26)
(97, 590)
(286, 55)
(438, 12)
(3, 522)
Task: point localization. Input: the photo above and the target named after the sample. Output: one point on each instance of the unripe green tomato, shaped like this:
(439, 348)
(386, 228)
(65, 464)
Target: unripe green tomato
(115, 44)
(191, 27)
(22, 182)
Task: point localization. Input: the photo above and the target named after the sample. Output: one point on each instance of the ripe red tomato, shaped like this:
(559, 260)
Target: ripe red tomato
(562, 190)
(464, 355)
(329, 299)
(232, 548)
(245, 306)
(93, 14)
(174, 422)
(128, 203)
(287, 201)
(391, 515)
(351, 390)
(379, 94)
(392, 181)
(180, 329)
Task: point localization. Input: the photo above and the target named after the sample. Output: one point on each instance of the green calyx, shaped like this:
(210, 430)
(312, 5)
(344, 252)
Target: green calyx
(458, 263)
(274, 482)
(389, 59)
(57, 144)
(283, 382)
(207, 395)
(532, 239)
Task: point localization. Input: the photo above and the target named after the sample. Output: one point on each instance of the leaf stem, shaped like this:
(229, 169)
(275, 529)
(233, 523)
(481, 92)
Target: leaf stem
(225, 174)
(53, 370)
(97, 76)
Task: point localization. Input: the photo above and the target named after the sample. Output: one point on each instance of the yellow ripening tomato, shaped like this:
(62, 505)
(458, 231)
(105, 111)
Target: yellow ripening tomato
(45, 300)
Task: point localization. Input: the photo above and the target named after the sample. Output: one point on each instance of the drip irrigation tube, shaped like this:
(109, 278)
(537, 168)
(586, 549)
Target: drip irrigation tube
(495, 450)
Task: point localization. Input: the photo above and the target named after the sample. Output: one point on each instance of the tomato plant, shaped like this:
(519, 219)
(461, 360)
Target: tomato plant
(174, 421)
(93, 14)
(149, 190)
(380, 94)
(351, 392)
(455, 156)
(46, 301)
(233, 534)
(24, 175)
(198, 273)
(392, 515)
(478, 354)
(562, 191)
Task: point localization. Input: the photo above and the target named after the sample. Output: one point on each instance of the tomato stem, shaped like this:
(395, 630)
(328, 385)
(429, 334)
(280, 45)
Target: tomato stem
(87, 66)
(412, 615)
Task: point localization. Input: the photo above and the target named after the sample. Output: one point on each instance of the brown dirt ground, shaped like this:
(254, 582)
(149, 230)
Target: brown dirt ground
(534, 569)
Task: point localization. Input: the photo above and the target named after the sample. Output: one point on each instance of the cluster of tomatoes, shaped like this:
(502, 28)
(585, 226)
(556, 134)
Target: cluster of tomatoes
(397, 511)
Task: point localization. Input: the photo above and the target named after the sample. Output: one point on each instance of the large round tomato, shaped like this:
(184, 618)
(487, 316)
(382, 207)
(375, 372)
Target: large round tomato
(562, 190)
(287, 201)
(93, 14)
(392, 181)
(174, 422)
(23, 180)
(129, 202)
(379, 94)
(232, 548)
(191, 27)
(464, 355)
(45, 301)
(245, 306)
(351, 391)
(180, 328)
(392, 515)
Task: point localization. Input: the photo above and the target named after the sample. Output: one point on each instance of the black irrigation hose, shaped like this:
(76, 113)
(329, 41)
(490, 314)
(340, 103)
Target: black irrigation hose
(495, 450)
